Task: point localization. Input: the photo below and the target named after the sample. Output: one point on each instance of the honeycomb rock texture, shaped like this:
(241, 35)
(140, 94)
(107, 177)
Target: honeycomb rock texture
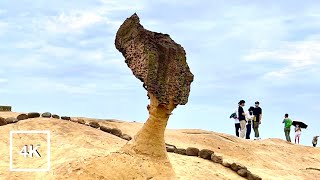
(156, 60)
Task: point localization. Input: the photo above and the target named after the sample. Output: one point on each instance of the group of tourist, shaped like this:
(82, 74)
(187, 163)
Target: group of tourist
(245, 120)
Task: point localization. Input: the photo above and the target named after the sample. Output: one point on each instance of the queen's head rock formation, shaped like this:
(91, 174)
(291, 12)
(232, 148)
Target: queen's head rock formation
(160, 63)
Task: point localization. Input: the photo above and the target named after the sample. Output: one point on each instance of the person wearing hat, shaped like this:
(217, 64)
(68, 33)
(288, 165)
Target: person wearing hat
(257, 112)
(242, 119)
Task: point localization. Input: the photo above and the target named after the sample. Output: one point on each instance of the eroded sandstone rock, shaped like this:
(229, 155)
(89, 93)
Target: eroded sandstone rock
(55, 116)
(33, 115)
(66, 118)
(205, 154)
(180, 151)
(156, 60)
(46, 115)
(2, 121)
(81, 121)
(217, 159)
(126, 137)
(192, 151)
(94, 124)
(22, 117)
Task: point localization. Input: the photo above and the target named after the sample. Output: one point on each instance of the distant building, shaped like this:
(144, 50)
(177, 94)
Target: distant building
(5, 108)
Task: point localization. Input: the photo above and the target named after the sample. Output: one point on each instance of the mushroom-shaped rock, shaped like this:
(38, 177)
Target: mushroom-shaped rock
(243, 172)
(216, 159)
(22, 117)
(66, 118)
(192, 151)
(116, 132)
(94, 124)
(126, 137)
(10, 120)
(160, 64)
(236, 166)
(81, 121)
(55, 116)
(105, 129)
(46, 115)
(2, 121)
(205, 153)
(180, 151)
(33, 115)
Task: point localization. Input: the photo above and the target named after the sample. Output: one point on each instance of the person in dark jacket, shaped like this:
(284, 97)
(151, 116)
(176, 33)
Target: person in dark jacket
(249, 118)
(242, 119)
(257, 112)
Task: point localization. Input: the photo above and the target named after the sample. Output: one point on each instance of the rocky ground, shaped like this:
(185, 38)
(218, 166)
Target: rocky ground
(78, 151)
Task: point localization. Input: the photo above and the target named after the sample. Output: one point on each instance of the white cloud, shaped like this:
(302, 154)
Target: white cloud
(3, 80)
(298, 56)
(280, 74)
(40, 54)
(110, 6)
(317, 108)
(72, 22)
(56, 51)
(3, 27)
(205, 108)
(88, 88)
(76, 21)
(50, 85)
(2, 11)
(193, 25)
(28, 44)
(31, 62)
(93, 87)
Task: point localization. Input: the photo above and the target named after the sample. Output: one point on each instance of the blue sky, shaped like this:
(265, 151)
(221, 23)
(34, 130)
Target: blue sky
(60, 57)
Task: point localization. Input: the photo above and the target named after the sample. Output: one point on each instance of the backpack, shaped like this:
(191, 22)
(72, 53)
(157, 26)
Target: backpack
(233, 115)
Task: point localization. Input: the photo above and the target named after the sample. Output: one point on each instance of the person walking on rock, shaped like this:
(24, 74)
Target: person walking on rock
(249, 118)
(257, 112)
(315, 141)
(287, 127)
(242, 119)
(297, 130)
